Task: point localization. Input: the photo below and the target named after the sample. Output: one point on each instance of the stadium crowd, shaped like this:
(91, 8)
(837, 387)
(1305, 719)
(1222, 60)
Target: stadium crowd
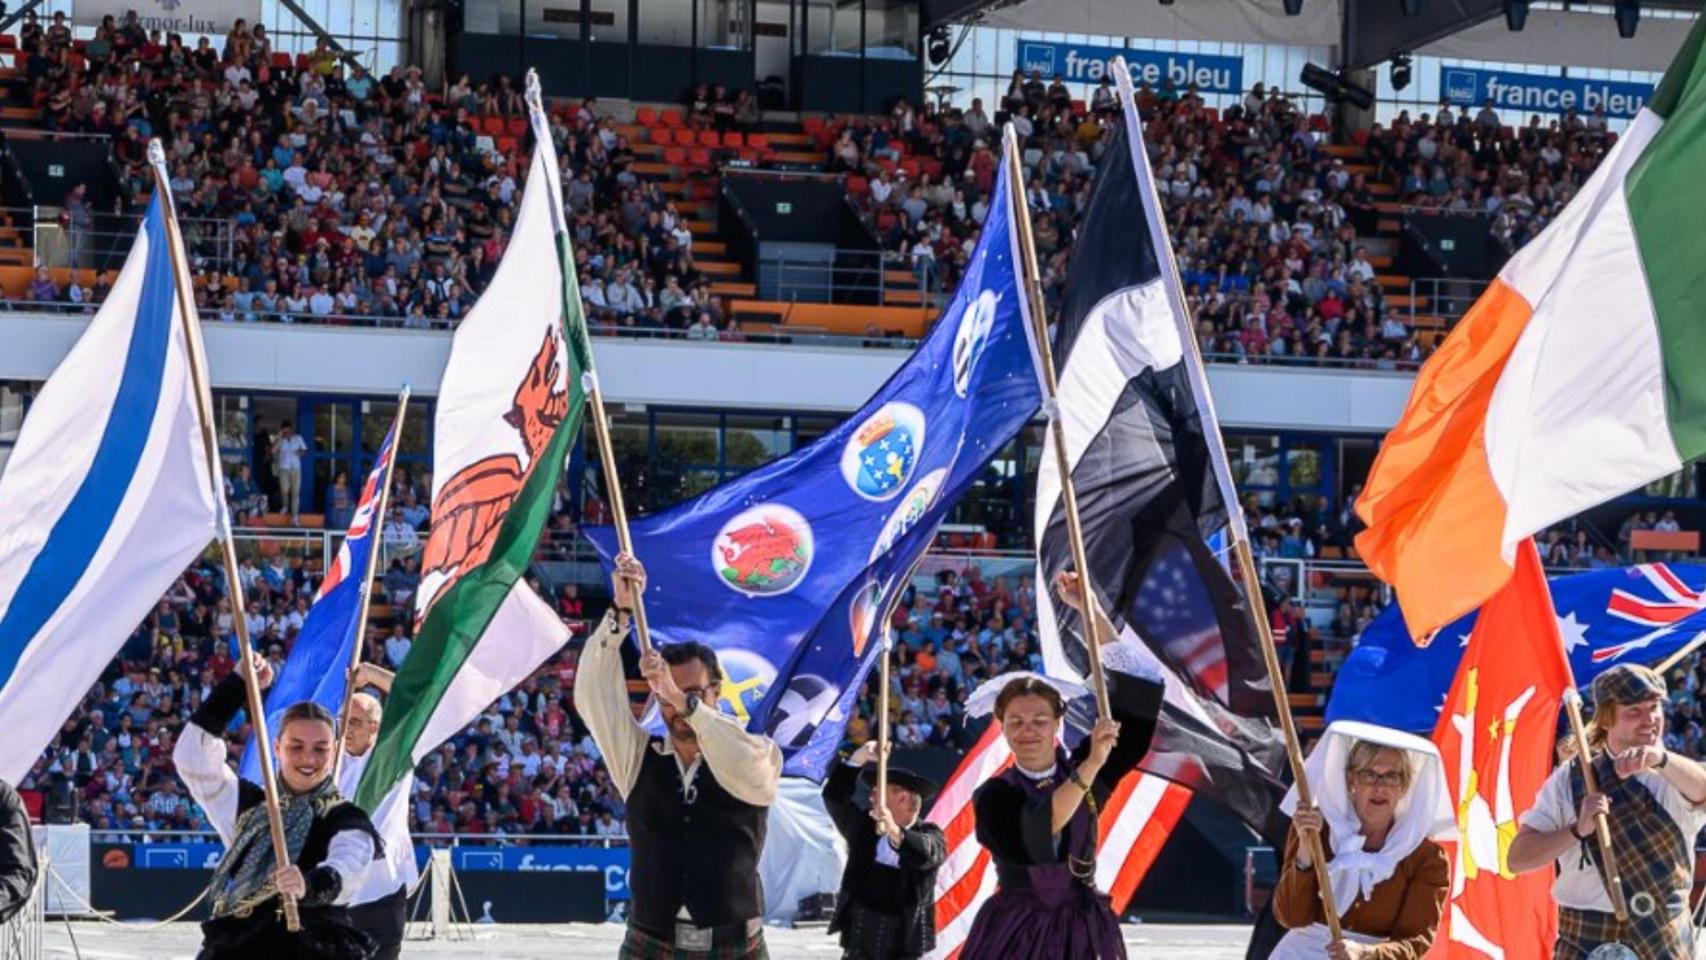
(353, 197)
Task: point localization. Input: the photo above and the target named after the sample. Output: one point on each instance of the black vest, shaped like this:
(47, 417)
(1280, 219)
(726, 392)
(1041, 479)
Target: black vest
(702, 854)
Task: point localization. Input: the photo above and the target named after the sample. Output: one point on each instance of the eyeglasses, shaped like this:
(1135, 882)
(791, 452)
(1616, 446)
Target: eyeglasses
(1370, 778)
(698, 693)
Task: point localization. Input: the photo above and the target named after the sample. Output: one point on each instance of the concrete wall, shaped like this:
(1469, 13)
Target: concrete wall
(680, 373)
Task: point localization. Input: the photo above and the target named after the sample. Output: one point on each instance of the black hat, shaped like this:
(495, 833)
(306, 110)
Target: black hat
(903, 778)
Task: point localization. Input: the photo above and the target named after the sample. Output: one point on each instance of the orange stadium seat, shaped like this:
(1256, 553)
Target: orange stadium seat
(685, 138)
(709, 138)
(671, 118)
(733, 140)
(646, 117)
(758, 141)
(699, 157)
(675, 156)
(517, 126)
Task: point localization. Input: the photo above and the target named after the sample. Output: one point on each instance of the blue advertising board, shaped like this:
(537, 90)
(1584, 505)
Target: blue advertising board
(1088, 63)
(612, 862)
(1539, 93)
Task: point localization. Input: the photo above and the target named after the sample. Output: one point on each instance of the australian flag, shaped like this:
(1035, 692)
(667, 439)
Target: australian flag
(1640, 614)
(318, 666)
(787, 571)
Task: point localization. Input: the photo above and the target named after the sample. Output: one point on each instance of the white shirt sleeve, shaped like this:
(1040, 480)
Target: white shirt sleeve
(748, 765)
(601, 698)
(349, 855)
(1552, 807)
(200, 759)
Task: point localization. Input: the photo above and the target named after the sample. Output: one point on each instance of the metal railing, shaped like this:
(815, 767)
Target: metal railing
(847, 276)
(429, 839)
(1447, 298)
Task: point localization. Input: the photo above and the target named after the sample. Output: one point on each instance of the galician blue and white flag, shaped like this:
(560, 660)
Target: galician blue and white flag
(106, 499)
(318, 666)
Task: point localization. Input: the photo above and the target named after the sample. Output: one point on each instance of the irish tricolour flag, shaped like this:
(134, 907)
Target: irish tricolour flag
(1578, 376)
(508, 408)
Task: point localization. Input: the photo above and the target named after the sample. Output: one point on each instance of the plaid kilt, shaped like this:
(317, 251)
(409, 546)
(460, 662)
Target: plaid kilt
(637, 945)
(1656, 864)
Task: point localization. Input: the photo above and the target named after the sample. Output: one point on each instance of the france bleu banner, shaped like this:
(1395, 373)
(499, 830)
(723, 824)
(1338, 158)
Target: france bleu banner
(787, 570)
(1089, 63)
(1639, 614)
(318, 664)
(1542, 93)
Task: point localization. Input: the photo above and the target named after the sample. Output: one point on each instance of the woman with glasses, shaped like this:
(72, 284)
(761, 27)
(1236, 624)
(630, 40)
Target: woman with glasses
(1382, 802)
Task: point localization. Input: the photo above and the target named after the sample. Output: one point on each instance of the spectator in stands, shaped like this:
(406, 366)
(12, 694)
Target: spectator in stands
(287, 451)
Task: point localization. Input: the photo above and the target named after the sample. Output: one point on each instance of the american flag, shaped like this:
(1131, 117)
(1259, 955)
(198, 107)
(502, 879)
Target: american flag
(1135, 823)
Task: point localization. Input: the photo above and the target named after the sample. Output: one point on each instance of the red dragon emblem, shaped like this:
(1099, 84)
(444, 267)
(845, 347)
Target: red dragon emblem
(471, 506)
(764, 551)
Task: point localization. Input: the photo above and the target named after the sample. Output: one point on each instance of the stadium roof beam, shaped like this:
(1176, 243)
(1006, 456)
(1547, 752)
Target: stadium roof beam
(321, 32)
(1376, 30)
(18, 14)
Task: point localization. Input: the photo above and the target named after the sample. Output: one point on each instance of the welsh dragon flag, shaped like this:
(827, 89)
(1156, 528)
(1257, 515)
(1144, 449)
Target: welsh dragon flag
(509, 406)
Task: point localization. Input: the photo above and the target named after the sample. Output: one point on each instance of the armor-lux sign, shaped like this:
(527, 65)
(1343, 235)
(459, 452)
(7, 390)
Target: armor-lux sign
(214, 17)
(1088, 63)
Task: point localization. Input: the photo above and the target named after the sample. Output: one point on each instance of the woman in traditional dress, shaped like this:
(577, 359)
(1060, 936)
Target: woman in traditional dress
(1038, 818)
(331, 841)
(1382, 802)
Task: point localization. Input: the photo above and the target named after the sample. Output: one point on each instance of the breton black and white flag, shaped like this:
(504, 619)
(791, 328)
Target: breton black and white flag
(1153, 490)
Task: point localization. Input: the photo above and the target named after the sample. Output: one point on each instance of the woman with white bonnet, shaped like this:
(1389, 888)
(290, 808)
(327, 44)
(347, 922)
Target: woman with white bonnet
(1383, 802)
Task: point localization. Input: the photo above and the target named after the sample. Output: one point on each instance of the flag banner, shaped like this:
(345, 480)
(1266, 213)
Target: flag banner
(106, 499)
(787, 571)
(1496, 737)
(509, 406)
(1639, 614)
(318, 665)
(1586, 344)
(1132, 402)
(1135, 823)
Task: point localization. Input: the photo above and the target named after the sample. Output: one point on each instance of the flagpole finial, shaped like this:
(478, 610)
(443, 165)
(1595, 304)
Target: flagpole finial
(535, 94)
(156, 152)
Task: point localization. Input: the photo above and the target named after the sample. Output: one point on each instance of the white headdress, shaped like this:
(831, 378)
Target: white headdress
(982, 700)
(1424, 813)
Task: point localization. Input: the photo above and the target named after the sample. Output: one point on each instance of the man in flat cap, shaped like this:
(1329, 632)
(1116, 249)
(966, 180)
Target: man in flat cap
(887, 905)
(1656, 801)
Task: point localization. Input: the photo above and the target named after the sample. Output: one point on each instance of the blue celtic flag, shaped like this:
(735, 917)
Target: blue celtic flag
(787, 570)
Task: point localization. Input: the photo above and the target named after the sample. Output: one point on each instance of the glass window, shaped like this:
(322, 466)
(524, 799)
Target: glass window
(667, 23)
(334, 433)
(376, 420)
(725, 24)
(13, 395)
(1678, 484)
(1303, 466)
(232, 416)
(808, 429)
(832, 29)
(685, 439)
(1255, 460)
(754, 441)
(610, 21)
(891, 29)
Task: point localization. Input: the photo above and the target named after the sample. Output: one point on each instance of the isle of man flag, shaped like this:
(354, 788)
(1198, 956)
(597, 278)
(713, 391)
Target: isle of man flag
(509, 406)
(1574, 379)
(1496, 737)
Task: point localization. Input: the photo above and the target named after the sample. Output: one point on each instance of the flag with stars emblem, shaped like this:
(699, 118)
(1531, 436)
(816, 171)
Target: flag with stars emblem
(787, 571)
(1639, 614)
(1138, 426)
(1495, 737)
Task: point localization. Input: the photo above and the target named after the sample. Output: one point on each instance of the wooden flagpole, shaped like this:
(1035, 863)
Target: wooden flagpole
(376, 530)
(1217, 450)
(1602, 827)
(594, 395)
(227, 546)
(884, 694)
(1051, 384)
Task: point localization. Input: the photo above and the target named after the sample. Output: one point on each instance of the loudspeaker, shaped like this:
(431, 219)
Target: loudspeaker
(1401, 71)
(1293, 7)
(1334, 87)
(1628, 15)
(1516, 14)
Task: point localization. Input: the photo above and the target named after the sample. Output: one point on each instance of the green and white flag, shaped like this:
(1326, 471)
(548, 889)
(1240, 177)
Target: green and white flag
(509, 406)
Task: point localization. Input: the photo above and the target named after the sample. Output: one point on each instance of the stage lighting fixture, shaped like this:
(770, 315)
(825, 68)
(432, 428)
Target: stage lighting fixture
(1628, 14)
(1334, 87)
(1401, 71)
(1293, 7)
(1410, 7)
(938, 46)
(1516, 14)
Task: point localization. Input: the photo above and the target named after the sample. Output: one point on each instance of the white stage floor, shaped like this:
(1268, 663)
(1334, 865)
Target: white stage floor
(102, 941)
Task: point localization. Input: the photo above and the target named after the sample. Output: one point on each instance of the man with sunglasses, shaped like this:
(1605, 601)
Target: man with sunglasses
(697, 798)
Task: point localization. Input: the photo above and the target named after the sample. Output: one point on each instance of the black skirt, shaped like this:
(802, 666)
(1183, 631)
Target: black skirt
(326, 934)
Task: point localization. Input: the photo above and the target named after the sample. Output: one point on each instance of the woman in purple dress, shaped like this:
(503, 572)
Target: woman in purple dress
(1038, 818)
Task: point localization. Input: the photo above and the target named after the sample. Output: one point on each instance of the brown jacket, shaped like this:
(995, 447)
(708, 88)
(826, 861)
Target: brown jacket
(1404, 910)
